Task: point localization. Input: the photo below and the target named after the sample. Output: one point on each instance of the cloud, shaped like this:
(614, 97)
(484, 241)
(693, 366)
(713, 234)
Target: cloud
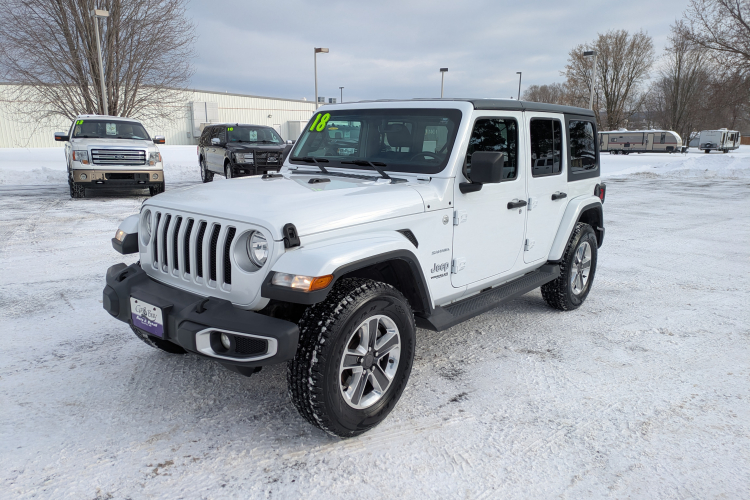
(393, 49)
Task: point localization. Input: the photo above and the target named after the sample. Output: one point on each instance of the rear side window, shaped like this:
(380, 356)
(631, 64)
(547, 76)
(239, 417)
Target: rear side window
(204, 141)
(581, 136)
(546, 147)
(497, 135)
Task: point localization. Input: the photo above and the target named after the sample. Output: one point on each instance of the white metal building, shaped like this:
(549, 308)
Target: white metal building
(287, 116)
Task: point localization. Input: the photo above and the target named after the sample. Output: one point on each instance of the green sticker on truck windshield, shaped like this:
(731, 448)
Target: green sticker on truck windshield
(230, 128)
(320, 122)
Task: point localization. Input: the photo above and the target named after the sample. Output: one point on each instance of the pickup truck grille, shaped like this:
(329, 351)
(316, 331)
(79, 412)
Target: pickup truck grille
(118, 157)
(182, 244)
(267, 158)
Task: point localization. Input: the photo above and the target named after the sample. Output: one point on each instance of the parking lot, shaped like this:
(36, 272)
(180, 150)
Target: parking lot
(644, 392)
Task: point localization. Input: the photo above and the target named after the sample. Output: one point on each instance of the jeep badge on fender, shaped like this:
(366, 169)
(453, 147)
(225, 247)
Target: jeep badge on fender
(385, 217)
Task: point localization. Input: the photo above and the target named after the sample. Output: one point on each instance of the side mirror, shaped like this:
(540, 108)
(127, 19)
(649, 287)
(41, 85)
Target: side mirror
(290, 141)
(486, 168)
(61, 137)
(215, 141)
(159, 139)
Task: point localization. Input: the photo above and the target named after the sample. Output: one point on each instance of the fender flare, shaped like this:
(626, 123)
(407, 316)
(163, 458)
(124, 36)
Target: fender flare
(570, 218)
(341, 257)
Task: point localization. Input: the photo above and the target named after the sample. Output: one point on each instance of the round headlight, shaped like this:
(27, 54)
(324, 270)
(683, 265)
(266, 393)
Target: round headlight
(257, 249)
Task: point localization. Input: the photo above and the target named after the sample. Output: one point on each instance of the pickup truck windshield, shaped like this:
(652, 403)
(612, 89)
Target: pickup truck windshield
(397, 140)
(104, 129)
(253, 134)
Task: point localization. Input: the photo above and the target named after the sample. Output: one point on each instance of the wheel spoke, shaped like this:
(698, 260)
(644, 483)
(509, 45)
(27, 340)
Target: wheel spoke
(379, 379)
(351, 360)
(586, 264)
(373, 327)
(359, 388)
(580, 282)
(386, 343)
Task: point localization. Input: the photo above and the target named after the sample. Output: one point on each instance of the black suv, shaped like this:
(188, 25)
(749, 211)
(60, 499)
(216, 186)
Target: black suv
(235, 150)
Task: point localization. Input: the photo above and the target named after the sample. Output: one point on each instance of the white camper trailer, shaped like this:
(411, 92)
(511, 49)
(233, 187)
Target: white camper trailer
(719, 140)
(622, 142)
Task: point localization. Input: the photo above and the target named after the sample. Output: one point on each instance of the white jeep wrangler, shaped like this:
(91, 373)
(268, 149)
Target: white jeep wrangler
(111, 152)
(386, 216)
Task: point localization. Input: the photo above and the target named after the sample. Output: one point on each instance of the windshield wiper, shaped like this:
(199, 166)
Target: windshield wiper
(375, 165)
(316, 161)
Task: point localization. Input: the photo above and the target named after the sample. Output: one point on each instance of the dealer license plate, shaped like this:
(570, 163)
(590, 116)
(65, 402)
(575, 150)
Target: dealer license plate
(147, 317)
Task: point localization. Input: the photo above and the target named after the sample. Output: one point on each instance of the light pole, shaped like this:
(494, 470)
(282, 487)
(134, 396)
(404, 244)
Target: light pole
(519, 85)
(315, 56)
(593, 76)
(342, 94)
(443, 71)
(97, 14)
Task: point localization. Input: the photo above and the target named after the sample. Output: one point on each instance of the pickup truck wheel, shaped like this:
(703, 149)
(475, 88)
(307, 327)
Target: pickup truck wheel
(164, 345)
(354, 357)
(76, 190)
(577, 269)
(158, 188)
(206, 174)
(228, 171)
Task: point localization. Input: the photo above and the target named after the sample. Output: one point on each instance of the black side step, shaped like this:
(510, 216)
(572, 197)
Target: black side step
(443, 318)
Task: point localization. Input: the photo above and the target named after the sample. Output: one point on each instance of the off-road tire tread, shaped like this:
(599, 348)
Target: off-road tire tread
(157, 189)
(163, 345)
(304, 379)
(555, 293)
(77, 191)
(209, 176)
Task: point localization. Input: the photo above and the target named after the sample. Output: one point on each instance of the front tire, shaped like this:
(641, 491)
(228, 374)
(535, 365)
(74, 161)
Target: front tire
(228, 171)
(77, 191)
(577, 270)
(157, 189)
(206, 174)
(354, 357)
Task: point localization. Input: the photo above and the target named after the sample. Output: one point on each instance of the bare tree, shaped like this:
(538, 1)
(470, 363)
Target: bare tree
(623, 65)
(723, 28)
(678, 97)
(48, 48)
(554, 93)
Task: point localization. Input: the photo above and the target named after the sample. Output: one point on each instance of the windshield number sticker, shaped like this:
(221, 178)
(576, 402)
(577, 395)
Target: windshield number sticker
(79, 122)
(320, 122)
(230, 128)
(111, 129)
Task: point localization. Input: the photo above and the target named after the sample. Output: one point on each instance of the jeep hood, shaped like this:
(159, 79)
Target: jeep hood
(312, 208)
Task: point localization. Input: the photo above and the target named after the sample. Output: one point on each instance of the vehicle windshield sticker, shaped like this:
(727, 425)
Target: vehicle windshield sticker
(320, 122)
(253, 135)
(111, 129)
(79, 122)
(230, 128)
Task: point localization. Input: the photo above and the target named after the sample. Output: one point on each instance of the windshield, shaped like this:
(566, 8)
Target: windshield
(253, 134)
(399, 140)
(104, 129)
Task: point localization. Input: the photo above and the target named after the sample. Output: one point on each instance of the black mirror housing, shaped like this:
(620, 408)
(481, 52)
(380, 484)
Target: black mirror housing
(487, 167)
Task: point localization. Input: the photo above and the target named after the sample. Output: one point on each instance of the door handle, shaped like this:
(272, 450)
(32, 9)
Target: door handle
(516, 204)
(559, 196)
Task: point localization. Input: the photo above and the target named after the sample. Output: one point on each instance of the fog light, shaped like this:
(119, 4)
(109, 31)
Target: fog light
(83, 177)
(155, 176)
(225, 341)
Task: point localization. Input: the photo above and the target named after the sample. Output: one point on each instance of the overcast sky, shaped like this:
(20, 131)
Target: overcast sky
(394, 48)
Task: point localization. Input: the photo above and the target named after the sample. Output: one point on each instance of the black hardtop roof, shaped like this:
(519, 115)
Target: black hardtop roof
(505, 105)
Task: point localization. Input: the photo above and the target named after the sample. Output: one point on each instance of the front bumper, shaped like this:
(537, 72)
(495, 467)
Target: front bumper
(189, 319)
(110, 178)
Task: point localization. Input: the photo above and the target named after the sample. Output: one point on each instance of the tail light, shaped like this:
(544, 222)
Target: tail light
(600, 191)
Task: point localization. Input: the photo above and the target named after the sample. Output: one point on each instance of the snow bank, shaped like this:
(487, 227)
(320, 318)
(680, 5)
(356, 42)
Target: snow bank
(47, 165)
(692, 165)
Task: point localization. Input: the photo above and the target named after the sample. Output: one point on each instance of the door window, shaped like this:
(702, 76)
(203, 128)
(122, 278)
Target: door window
(546, 147)
(497, 135)
(582, 146)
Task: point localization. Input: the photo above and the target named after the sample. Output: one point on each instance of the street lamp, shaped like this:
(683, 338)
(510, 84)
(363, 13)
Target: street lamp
(315, 56)
(443, 71)
(100, 14)
(593, 77)
(519, 84)
(342, 94)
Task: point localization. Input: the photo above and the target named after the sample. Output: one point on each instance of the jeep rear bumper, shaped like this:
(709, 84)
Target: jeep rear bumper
(195, 322)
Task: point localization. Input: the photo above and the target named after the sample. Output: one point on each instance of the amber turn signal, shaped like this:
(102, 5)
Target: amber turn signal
(321, 282)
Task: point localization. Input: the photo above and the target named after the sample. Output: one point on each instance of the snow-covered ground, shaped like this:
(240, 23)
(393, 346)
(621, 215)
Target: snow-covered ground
(644, 392)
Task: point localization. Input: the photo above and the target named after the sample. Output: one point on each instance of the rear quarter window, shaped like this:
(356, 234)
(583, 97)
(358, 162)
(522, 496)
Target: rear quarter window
(582, 149)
